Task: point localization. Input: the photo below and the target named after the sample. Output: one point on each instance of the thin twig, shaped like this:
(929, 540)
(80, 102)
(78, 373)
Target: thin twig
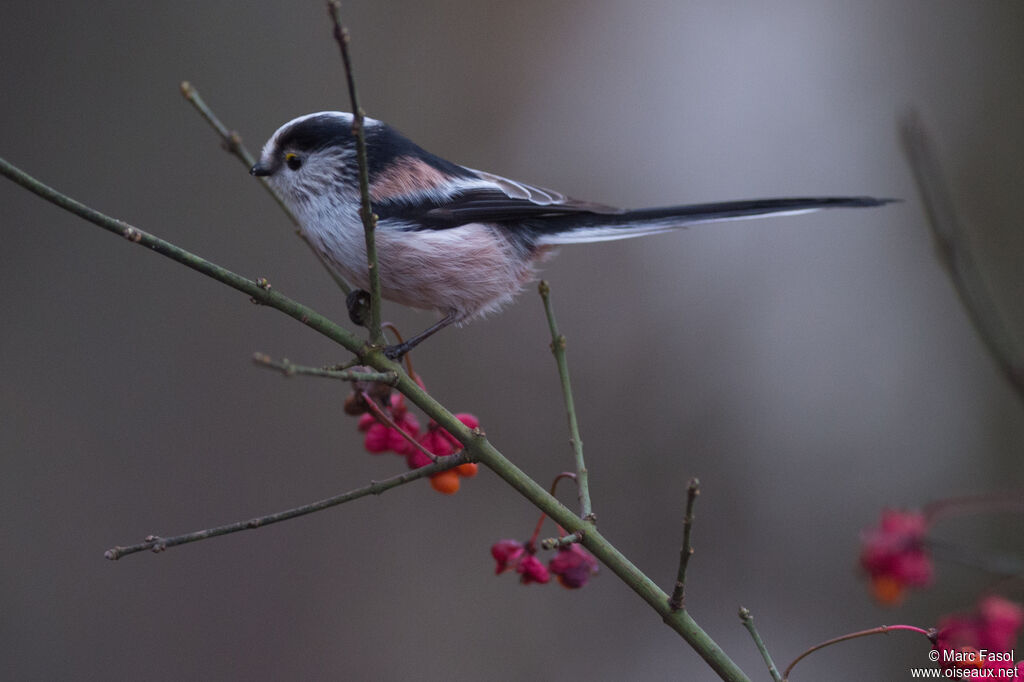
(290, 369)
(365, 208)
(231, 141)
(954, 250)
(880, 630)
(678, 599)
(342, 366)
(558, 349)
(564, 541)
(159, 544)
(551, 543)
(748, 622)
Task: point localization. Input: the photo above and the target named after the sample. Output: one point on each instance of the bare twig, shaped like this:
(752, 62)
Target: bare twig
(880, 630)
(232, 143)
(678, 599)
(748, 623)
(366, 209)
(955, 252)
(289, 369)
(558, 349)
(159, 544)
(564, 541)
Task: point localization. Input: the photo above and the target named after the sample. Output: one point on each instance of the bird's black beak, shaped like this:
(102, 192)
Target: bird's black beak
(259, 170)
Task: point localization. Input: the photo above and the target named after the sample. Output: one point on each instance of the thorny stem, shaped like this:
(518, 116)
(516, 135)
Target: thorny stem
(289, 369)
(558, 344)
(880, 630)
(366, 209)
(678, 599)
(159, 544)
(954, 250)
(231, 141)
(748, 623)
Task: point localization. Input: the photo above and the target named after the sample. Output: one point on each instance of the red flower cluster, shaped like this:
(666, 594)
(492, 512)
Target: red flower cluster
(572, 565)
(983, 639)
(381, 438)
(513, 554)
(894, 555)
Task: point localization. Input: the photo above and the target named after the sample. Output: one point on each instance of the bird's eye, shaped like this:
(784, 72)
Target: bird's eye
(293, 161)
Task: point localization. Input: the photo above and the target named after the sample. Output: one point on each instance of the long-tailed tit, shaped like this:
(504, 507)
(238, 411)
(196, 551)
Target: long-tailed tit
(449, 238)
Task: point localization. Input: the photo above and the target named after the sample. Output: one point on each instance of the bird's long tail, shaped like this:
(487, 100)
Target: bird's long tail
(597, 227)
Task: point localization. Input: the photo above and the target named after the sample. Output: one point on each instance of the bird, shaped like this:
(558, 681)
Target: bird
(449, 238)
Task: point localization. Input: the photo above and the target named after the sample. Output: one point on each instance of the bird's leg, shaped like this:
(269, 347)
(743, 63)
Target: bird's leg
(358, 304)
(396, 351)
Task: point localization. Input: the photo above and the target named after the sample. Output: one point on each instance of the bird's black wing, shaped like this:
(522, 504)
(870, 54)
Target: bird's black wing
(554, 218)
(485, 198)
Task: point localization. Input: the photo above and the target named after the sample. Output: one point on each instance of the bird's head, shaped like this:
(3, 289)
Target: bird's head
(312, 159)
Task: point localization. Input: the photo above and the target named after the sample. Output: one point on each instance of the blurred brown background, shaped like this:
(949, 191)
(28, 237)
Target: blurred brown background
(810, 370)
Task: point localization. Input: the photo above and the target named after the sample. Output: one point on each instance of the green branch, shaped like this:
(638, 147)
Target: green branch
(558, 345)
(365, 208)
(678, 600)
(158, 544)
(559, 543)
(290, 369)
(748, 623)
(610, 556)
